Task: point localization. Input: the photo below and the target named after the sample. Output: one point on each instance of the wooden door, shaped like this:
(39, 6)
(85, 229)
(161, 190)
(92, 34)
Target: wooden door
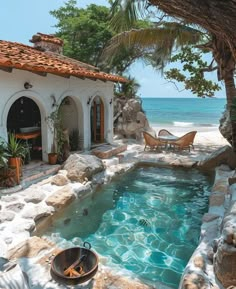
(97, 121)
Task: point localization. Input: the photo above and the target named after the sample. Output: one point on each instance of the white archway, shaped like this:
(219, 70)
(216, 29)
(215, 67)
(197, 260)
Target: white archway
(37, 99)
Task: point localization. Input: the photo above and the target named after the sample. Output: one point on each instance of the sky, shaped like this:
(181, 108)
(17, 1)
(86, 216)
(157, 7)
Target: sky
(21, 19)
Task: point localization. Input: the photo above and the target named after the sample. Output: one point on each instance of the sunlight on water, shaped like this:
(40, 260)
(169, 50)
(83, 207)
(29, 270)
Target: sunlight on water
(147, 221)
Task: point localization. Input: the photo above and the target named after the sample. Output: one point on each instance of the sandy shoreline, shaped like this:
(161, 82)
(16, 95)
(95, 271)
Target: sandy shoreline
(206, 136)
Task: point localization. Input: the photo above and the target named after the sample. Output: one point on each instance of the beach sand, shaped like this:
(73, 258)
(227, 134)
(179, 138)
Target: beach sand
(206, 136)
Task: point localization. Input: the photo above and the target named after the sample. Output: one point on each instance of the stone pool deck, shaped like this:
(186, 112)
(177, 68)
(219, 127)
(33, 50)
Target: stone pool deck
(26, 212)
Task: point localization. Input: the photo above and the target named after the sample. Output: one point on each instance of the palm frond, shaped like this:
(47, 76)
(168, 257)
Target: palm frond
(169, 36)
(125, 13)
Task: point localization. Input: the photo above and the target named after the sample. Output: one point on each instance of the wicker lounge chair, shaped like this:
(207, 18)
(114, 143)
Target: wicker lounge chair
(185, 141)
(151, 141)
(164, 132)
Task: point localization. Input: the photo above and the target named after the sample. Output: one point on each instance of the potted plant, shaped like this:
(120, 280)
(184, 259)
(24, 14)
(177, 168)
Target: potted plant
(16, 151)
(54, 121)
(3, 153)
(7, 175)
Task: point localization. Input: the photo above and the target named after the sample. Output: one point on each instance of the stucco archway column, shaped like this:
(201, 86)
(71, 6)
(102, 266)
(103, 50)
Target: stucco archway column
(109, 120)
(86, 133)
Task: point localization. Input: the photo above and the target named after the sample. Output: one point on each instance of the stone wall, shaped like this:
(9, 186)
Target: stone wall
(213, 264)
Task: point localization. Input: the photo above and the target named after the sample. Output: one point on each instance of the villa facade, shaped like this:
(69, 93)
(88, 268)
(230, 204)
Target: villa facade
(35, 80)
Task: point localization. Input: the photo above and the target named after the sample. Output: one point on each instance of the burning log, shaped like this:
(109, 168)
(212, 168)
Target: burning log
(71, 270)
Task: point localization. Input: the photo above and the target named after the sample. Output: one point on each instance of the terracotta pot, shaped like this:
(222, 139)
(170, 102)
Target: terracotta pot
(52, 158)
(16, 162)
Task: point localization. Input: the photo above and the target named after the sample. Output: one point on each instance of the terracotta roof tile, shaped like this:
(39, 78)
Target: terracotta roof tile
(20, 56)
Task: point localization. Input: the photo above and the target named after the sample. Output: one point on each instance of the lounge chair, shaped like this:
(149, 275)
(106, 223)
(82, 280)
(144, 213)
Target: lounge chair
(151, 141)
(164, 132)
(185, 141)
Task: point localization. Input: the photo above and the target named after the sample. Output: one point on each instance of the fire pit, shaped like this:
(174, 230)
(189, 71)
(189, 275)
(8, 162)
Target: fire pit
(74, 265)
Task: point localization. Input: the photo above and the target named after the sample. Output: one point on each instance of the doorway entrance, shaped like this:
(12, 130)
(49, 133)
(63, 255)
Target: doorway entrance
(97, 120)
(24, 120)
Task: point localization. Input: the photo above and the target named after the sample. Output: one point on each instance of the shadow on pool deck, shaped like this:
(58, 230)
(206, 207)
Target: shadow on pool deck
(33, 172)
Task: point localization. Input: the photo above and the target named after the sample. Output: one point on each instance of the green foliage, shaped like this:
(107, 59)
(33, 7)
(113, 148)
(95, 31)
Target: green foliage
(194, 68)
(3, 153)
(128, 89)
(16, 148)
(86, 32)
(54, 121)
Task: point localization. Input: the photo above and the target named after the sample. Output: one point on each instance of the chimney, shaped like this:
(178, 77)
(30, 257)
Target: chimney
(45, 42)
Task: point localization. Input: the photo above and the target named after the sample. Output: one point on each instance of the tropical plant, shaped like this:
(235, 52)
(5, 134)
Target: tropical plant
(15, 147)
(54, 121)
(3, 153)
(128, 89)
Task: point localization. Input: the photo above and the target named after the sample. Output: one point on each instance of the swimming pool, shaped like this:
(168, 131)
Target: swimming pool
(146, 221)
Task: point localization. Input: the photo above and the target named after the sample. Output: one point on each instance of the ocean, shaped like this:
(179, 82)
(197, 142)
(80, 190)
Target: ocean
(184, 112)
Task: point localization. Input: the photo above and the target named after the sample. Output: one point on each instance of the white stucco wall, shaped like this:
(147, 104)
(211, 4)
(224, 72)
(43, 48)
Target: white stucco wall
(44, 87)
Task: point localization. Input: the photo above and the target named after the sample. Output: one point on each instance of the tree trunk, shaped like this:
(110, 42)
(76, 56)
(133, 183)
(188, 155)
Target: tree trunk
(231, 94)
(226, 67)
(228, 127)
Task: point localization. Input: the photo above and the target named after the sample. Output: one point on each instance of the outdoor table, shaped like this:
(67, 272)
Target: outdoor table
(168, 139)
(28, 135)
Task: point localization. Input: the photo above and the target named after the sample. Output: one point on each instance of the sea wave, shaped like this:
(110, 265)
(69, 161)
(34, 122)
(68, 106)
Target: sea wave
(192, 124)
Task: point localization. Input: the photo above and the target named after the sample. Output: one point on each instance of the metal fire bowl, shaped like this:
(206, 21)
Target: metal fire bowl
(66, 257)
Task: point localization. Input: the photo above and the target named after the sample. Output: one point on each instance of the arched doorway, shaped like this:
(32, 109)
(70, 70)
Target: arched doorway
(97, 120)
(70, 121)
(24, 119)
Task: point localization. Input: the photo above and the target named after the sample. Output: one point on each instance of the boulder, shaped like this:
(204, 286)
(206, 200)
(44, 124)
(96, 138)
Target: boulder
(225, 264)
(59, 180)
(194, 281)
(224, 155)
(225, 126)
(22, 225)
(82, 167)
(132, 120)
(29, 248)
(61, 198)
(9, 198)
(6, 216)
(15, 207)
(34, 195)
(225, 256)
(37, 212)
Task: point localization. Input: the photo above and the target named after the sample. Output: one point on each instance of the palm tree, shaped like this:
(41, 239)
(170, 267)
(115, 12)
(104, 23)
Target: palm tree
(155, 44)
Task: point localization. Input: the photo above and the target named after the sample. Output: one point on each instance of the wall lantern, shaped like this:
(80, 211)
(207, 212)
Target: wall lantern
(27, 85)
(111, 101)
(53, 100)
(89, 100)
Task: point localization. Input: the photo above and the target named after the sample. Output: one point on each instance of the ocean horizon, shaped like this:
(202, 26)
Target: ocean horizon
(184, 112)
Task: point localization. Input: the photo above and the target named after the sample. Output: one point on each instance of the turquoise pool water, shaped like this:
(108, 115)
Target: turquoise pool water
(147, 221)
